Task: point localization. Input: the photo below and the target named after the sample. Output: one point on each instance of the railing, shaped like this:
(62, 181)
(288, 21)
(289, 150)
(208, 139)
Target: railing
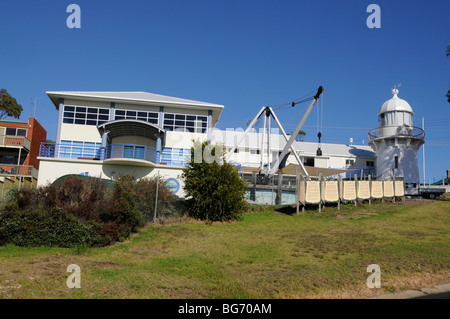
(114, 151)
(397, 131)
(18, 170)
(9, 140)
(67, 151)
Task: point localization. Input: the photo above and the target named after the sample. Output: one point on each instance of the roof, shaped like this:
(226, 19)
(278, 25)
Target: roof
(141, 98)
(294, 169)
(395, 104)
(130, 128)
(278, 142)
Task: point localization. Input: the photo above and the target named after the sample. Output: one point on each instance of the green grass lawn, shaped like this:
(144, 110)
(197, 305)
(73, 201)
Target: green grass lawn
(266, 255)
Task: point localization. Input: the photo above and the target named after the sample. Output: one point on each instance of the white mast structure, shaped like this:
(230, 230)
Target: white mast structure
(268, 111)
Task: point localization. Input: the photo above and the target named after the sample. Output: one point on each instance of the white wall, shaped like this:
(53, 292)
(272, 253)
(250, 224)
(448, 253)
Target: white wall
(51, 169)
(75, 132)
(182, 139)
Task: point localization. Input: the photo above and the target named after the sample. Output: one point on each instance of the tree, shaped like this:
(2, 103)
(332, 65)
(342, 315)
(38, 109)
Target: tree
(9, 105)
(214, 189)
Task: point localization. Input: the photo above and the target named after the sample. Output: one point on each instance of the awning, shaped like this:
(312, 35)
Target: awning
(119, 128)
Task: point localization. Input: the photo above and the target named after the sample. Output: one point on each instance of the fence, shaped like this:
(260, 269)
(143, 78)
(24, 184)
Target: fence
(320, 192)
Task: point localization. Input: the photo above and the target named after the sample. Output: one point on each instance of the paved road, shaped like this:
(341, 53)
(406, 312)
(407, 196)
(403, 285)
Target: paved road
(442, 295)
(437, 292)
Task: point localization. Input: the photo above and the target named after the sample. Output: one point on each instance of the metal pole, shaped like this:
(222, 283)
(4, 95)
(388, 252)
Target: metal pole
(262, 144)
(245, 133)
(296, 131)
(156, 199)
(287, 140)
(423, 149)
(268, 142)
(297, 192)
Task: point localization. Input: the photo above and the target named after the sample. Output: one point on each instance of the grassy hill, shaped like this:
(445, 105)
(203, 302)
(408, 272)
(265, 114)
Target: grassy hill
(268, 254)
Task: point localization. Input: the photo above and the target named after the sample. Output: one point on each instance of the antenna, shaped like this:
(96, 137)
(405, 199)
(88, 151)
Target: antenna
(34, 101)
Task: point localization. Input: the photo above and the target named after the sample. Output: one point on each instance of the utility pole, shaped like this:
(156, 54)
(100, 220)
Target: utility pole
(423, 149)
(156, 199)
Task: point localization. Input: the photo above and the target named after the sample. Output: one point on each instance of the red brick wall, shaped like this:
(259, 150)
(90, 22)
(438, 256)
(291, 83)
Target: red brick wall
(36, 134)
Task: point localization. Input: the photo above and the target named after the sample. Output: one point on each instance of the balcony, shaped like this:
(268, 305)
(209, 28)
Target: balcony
(71, 151)
(18, 170)
(411, 132)
(131, 154)
(128, 154)
(14, 141)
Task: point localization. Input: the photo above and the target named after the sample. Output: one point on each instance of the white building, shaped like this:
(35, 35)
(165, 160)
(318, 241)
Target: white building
(121, 133)
(396, 142)
(106, 134)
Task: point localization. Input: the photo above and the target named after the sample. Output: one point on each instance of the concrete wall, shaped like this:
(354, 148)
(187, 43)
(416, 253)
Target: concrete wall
(52, 169)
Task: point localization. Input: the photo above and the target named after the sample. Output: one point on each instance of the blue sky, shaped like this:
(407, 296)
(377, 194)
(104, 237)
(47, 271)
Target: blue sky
(242, 54)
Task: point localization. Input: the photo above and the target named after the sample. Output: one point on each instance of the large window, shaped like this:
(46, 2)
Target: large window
(185, 123)
(175, 156)
(151, 117)
(85, 115)
(79, 149)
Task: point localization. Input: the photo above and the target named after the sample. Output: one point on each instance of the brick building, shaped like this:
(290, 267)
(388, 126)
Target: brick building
(19, 149)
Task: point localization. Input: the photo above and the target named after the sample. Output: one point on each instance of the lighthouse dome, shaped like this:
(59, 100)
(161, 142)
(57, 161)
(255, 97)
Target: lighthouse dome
(395, 104)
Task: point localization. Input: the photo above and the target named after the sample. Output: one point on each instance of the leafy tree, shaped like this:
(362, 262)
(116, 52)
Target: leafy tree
(9, 105)
(214, 190)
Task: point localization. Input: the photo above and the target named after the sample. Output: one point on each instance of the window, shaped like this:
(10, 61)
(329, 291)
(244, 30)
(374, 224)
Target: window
(349, 162)
(308, 161)
(396, 162)
(12, 131)
(370, 163)
(185, 123)
(85, 115)
(76, 149)
(175, 156)
(254, 152)
(151, 117)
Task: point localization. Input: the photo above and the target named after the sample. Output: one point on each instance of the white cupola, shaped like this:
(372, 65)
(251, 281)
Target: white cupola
(395, 112)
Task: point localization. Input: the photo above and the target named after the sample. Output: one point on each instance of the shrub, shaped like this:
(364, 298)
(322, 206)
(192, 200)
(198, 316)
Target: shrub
(215, 191)
(143, 192)
(75, 212)
(36, 227)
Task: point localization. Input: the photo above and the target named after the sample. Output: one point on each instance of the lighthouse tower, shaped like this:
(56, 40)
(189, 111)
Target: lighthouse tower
(396, 142)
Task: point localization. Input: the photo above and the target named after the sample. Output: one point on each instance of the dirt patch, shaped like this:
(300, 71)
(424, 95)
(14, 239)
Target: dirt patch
(355, 215)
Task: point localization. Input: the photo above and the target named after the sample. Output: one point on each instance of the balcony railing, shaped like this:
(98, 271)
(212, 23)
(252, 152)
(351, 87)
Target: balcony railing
(112, 151)
(67, 151)
(132, 151)
(18, 170)
(397, 131)
(9, 140)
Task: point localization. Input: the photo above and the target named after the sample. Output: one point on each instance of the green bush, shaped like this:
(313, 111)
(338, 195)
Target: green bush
(37, 227)
(143, 192)
(214, 190)
(76, 212)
